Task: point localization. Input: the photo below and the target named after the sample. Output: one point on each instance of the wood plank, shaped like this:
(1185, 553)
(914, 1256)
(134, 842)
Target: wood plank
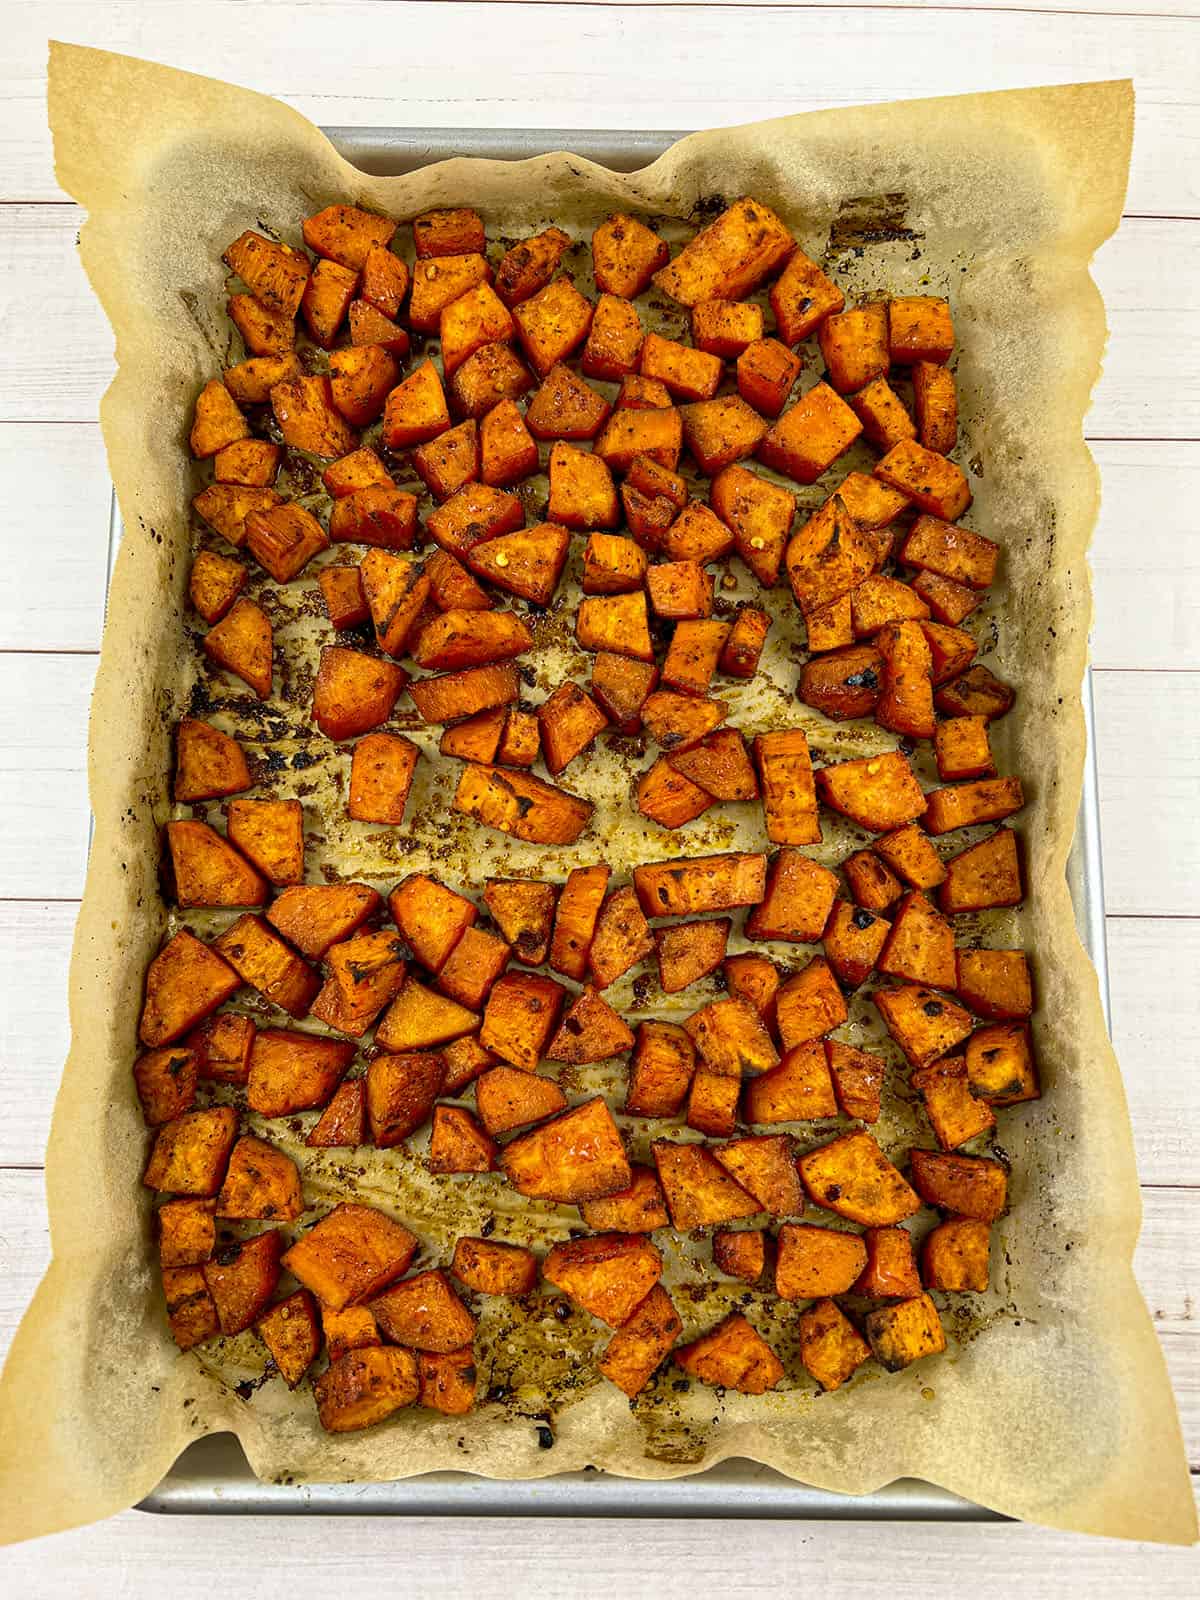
(1147, 588)
(601, 66)
(1149, 275)
(43, 789)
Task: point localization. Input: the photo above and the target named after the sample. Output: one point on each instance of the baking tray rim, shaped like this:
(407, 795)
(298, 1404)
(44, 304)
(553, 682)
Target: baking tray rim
(212, 1477)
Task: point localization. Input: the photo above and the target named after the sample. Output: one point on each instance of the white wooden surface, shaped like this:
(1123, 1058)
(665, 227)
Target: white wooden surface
(636, 66)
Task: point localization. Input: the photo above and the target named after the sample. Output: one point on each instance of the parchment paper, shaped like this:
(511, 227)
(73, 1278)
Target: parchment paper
(1053, 1402)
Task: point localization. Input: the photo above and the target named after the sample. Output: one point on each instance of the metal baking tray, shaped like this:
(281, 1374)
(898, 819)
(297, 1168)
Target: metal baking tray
(212, 1475)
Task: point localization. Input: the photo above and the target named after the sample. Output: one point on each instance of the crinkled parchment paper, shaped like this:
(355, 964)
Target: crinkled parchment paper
(1052, 1403)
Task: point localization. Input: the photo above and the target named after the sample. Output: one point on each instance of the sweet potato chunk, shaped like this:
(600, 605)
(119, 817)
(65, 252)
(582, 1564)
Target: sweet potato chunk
(890, 1272)
(209, 764)
(661, 1070)
(523, 806)
(361, 378)
(712, 1105)
(527, 563)
(308, 419)
(582, 492)
(508, 1098)
(954, 1113)
(857, 1079)
(222, 1046)
(458, 639)
(385, 279)
(765, 1167)
(621, 938)
(719, 432)
(569, 720)
(401, 1090)
(828, 557)
(521, 1015)
(903, 1333)
(679, 721)
(260, 958)
(680, 590)
(720, 765)
(813, 1262)
(264, 332)
(210, 872)
(740, 1253)
(396, 590)
(625, 256)
(801, 297)
(493, 374)
(242, 1278)
(607, 1274)
(963, 749)
(350, 1255)
(689, 951)
(315, 916)
(616, 623)
(935, 401)
(575, 1157)
(474, 319)
(454, 696)
(354, 692)
(379, 515)
(529, 265)
(743, 646)
(187, 1232)
(872, 883)
(731, 1040)
(260, 1183)
(369, 326)
(1000, 1066)
(955, 553)
(451, 460)
(852, 940)
(883, 414)
(909, 853)
(766, 372)
(368, 970)
(341, 590)
(954, 1256)
(292, 1335)
(933, 484)
(699, 884)
(416, 409)
(490, 1267)
(879, 600)
(218, 421)
(552, 323)
(754, 978)
(995, 983)
(590, 1031)
(214, 584)
(437, 283)
(283, 539)
(273, 273)
(366, 1386)
(271, 833)
(185, 982)
(852, 1177)
(725, 327)
(242, 643)
(565, 407)
(948, 601)
(978, 693)
(613, 565)
(799, 1089)
(809, 1004)
(878, 792)
(924, 1024)
(292, 1071)
(457, 1143)
(465, 1060)
(507, 450)
(343, 1123)
(448, 232)
(810, 436)
(733, 1356)
(638, 1209)
(636, 1349)
(250, 382)
(905, 703)
(845, 683)
(831, 1348)
(448, 1380)
(698, 1190)
(788, 790)
(191, 1152)
(920, 945)
(474, 965)
(968, 804)
(919, 329)
(969, 1186)
(381, 775)
(524, 913)
(730, 257)
(854, 346)
(418, 1019)
(350, 1329)
(988, 874)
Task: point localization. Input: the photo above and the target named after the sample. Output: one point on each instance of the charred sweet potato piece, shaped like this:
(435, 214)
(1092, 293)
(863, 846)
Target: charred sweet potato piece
(350, 1255)
(801, 297)
(615, 340)
(700, 884)
(474, 965)
(719, 764)
(698, 1190)
(264, 332)
(831, 627)
(924, 1024)
(933, 484)
(616, 623)
(214, 584)
(693, 654)
(988, 874)
(878, 792)
(379, 515)
(872, 883)
(527, 563)
(350, 1329)
(733, 1356)
(437, 283)
(799, 1089)
(385, 279)
(451, 460)
(810, 435)
(999, 1064)
(250, 382)
(831, 1348)
(458, 639)
(607, 1274)
(968, 1186)
(292, 1071)
(361, 377)
(730, 257)
(910, 854)
(342, 592)
(369, 326)
(476, 318)
(353, 692)
(636, 1349)
(509, 1097)
(284, 539)
(948, 601)
(620, 939)
(208, 871)
(680, 590)
(613, 565)
(451, 586)
(857, 1079)
(712, 1105)
(809, 1004)
(416, 409)
(308, 419)
(368, 969)
(765, 1167)
(905, 703)
(209, 764)
(661, 1070)
(381, 775)
(454, 696)
(529, 265)
(905, 1332)
(525, 807)
(569, 720)
(396, 591)
(731, 1040)
(565, 407)
(347, 234)
(978, 693)
(788, 790)
(995, 983)
(678, 722)
(343, 1123)
(524, 913)
(965, 805)
(590, 1031)
(687, 373)
(448, 232)
(292, 1334)
(552, 323)
(852, 1177)
(424, 1313)
(954, 1113)
(955, 1255)
(883, 414)
(743, 647)
(740, 1253)
(950, 552)
(465, 1060)
(582, 492)
(260, 958)
(638, 1209)
(242, 643)
(625, 256)
(719, 432)
(800, 894)
(920, 945)
(919, 329)
(521, 1015)
(520, 739)
(271, 834)
(315, 916)
(689, 951)
(852, 940)
(951, 649)
(418, 1019)
(401, 1090)
(574, 1157)
(261, 1183)
(274, 273)
(575, 919)
(696, 535)
(457, 1143)
(366, 1386)
(187, 1232)
(827, 557)
(814, 1262)
(754, 978)
(507, 450)
(448, 1380)
(185, 982)
(489, 1267)
(642, 394)
(191, 1152)
(879, 600)
(242, 1277)
(493, 374)
(843, 684)
(891, 1271)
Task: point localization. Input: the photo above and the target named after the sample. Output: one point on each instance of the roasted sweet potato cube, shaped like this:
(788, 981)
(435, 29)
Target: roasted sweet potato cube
(361, 378)
(831, 1348)
(988, 874)
(905, 703)
(765, 1167)
(801, 297)
(260, 958)
(730, 257)
(948, 601)
(905, 1332)
(740, 1253)
(493, 374)
(582, 492)
(369, 326)
(733, 1356)
(457, 1143)
(651, 477)
(891, 1271)
(615, 340)
(451, 586)
(242, 1277)
(350, 1329)
(218, 421)
(965, 805)
(354, 692)
(700, 884)
(642, 394)
(719, 432)
(308, 418)
(341, 590)
(678, 722)
(458, 639)
(385, 279)
(995, 983)
(919, 329)
(743, 647)
(788, 790)
(613, 565)
(575, 919)
(466, 1060)
(366, 1386)
(166, 1085)
(629, 434)
(688, 374)
(796, 907)
(529, 265)
(720, 764)
(978, 693)
(570, 719)
(696, 535)
(473, 966)
(474, 319)
(954, 1113)
(261, 1183)
(292, 1071)
(809, 1004)
(590, 1031)
(214, 584)
(852, 941)
(731, 1039)
(935, 401)
(637, 1348)
(963, 749)
(379, 515)
(274, 273)
(883, 414)
(574, 1157)
(271, 834)
(456, 695)
(381, 775)
(754, 978)
(207, 871)
(955, 1255)
(999, 1064)
(698, 1190)
(693, 654)
(520, 740)
(872, 883)
(508, 1098)
(448, 1380)
(527, 563)
(857, 1079)
(368, 969)
(845, 683)
(284, 539)
(607, 1274)
(315, 916)
(416, 409)
(187, 1232)
(436, 283)
(799, 1089)
(879, 600)
(933, 484)
(910, 854)
(522, 1012)
(489, 1267)
(343, 1123)
(625, 256)
(680, 590)
(920, 945)
(250, 382)
(854, 346)
(552, 323)
(209, 764)
(185, 982)
(451, 460)
(810, 435)
(852, 1177)
(968, 1186)
(292, 1334)
(346, 234)
(724, 328)
(766, 372)
(660, 1072)
(242, 643)
(515, 803)
(448, 232)
(829, 556)
(401, 1090)
(638, 1209)
(950, 552)
(813, 1262)
(617, 623)
(712, 1105)
(507, 449)
(418, 1019)
(924, 1024)
(350, 1255)
(264, 332)
(620, 938)
(190, 1309)
(758, 514)
(524, 913)
(191, 1152)
(880, 793)
(689, 951)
